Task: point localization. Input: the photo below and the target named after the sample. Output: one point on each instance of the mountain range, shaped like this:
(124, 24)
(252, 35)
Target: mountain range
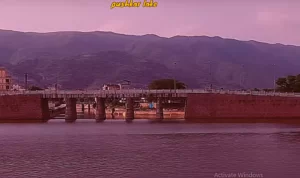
(81, 60)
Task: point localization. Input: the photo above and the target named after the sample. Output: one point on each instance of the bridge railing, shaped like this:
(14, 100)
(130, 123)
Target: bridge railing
(143, 91)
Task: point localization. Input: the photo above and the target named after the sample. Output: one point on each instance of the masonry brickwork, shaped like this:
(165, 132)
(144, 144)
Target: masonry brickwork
(23, 108)
(241, 108)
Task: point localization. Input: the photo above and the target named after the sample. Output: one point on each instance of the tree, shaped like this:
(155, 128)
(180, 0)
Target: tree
(34, 88)
(255, 89)
(166, 84)
(268, 90)
(297, 84)
(282, 84)
(290, 83)
(291, 80)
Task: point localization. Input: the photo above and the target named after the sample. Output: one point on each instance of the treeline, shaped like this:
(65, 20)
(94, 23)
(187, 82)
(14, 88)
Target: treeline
(265, 89)
(291, 83)
(166, 84)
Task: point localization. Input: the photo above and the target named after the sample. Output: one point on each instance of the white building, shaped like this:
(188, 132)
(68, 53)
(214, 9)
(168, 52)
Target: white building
(111, 87)
(122, 85)
(16, 87)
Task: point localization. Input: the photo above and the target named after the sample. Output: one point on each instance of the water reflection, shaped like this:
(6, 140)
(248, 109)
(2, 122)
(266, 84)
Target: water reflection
(140, 149)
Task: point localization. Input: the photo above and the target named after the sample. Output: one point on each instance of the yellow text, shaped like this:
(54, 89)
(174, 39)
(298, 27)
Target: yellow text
(151, 3)
(131, 3)
(127, 3)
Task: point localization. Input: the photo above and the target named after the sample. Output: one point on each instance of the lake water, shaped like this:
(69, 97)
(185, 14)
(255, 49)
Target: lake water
(148, 150)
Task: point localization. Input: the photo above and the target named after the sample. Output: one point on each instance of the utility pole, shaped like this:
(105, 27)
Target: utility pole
(175, 79)
(56, 84)
(26, 81)
(241, 77)
(210, 73)
(274, 78)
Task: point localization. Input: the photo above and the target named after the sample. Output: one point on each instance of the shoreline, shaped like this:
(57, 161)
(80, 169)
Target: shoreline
(169, 116)
(137, 114)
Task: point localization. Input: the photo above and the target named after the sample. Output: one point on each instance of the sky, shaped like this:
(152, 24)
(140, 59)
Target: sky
(271, 21)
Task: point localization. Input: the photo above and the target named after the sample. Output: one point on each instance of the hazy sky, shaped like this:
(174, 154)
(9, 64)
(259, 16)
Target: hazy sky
(274, 21)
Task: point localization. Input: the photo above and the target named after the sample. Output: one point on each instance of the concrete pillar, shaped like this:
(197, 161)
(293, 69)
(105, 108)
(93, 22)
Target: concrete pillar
(89, 106)
(82, 107)
(45, 109)
(100, 110)
(159, 109)
(112, 112)
(185, 107)
(129, 116)
(71, 113)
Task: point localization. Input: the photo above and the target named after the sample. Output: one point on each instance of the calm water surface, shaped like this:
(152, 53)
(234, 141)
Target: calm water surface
(148, 150)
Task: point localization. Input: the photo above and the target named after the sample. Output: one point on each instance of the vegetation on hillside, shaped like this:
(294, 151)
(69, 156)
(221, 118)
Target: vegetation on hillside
(103, 57)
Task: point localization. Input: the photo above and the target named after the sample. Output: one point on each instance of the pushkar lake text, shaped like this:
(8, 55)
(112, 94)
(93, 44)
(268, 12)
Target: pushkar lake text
(132, 3)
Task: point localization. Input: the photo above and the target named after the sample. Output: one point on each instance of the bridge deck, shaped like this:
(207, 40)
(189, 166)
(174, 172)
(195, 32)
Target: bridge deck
(137, 93)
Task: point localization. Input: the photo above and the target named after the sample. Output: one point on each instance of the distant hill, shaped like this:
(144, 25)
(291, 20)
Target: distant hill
(80, 60)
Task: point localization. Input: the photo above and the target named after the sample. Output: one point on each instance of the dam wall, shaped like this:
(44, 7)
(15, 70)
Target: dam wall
(210, 107)
(23, 108)
(200, 107)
